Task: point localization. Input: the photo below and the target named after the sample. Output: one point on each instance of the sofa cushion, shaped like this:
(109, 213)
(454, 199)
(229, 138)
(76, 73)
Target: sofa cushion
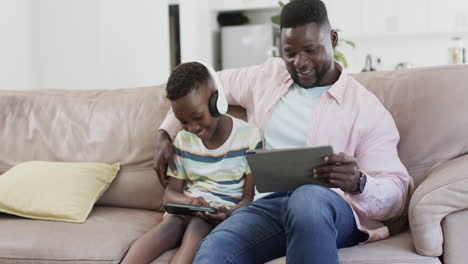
(442, 194)
(59, 191)
(455, 234)
(398, 249)
(103, 238)
(394, 250)
(104, 126)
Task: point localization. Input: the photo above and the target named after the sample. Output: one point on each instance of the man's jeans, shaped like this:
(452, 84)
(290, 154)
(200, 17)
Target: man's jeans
(307, 225)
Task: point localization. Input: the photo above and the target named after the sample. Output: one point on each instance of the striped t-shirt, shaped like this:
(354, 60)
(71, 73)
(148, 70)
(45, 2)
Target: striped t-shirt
(217, 175)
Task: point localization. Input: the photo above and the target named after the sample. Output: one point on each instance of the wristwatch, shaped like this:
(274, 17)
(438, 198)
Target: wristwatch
(361, 183)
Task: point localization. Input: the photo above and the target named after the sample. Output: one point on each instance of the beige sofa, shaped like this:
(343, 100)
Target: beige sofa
(428, 104)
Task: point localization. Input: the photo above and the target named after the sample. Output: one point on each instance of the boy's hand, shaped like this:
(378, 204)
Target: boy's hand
(199, 201)
(163, 156)
(217, 218)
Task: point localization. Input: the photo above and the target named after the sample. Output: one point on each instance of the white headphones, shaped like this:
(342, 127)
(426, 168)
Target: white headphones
(218, 104)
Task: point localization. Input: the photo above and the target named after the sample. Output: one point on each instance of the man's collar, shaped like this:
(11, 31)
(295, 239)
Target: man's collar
(338, 88)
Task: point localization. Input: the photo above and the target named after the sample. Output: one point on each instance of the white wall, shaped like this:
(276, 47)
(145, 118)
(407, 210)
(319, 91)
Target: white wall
(15, 44)
(104, 44)
(197, 26)
(85, 44)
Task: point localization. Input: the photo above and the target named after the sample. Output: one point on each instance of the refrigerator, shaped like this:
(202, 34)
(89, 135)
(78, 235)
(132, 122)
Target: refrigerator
(248, 45)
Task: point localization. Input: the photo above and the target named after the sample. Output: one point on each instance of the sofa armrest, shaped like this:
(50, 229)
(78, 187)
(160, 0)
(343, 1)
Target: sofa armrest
(444, 191)
(455, 234)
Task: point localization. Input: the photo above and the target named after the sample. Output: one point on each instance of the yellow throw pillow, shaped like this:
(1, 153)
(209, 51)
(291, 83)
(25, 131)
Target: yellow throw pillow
(59, 191)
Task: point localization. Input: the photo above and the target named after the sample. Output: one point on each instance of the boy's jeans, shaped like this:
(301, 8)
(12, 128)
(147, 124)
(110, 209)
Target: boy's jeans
(307, 225)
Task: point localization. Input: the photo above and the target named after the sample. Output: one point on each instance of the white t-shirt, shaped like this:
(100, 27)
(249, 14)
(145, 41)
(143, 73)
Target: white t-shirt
(288, 124)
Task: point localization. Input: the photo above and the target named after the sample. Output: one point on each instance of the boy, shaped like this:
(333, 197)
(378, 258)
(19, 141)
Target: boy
(211, 165)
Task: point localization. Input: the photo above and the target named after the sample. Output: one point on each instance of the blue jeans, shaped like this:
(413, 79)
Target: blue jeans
(308, 225)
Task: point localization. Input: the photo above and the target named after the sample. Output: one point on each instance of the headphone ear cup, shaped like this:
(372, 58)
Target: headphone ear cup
(213, 105)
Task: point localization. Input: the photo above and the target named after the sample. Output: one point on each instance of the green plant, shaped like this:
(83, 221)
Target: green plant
(276, 19)
(337, 55)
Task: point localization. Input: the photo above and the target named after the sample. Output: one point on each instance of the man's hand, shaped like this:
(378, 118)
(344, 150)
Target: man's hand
(163, 155)
(340, 170)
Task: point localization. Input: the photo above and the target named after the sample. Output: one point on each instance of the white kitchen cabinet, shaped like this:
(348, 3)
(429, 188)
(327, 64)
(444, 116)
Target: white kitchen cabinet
(448, 16)
(413, 16)
(236, 5)
(345, 15)
(380, 17)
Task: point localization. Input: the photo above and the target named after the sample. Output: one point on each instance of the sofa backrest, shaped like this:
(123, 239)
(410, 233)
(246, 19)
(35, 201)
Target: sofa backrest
(429, 106)
(88, 126)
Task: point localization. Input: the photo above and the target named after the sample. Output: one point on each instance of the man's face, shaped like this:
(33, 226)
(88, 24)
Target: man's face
(193, 112)
(308, 53)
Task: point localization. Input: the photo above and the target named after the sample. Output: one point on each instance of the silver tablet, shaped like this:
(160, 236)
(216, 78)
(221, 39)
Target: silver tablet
(286, 169)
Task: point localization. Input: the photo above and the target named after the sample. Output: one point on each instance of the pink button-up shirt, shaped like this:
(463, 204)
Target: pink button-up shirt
(348, 117)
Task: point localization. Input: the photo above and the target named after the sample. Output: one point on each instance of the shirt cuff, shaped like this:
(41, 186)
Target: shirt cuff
(171, 125)
(371, 184)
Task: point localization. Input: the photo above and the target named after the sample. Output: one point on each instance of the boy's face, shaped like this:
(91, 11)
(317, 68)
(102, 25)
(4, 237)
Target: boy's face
(193, 112)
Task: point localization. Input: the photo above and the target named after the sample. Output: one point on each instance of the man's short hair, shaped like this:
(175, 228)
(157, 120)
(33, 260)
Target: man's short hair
(300, 12)
(184, 78)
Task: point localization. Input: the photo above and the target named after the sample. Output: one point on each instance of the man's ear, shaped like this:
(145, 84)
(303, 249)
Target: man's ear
(334, 38)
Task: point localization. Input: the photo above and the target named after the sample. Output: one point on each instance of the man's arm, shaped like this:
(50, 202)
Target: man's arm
(163, 157)
(387, 181)
(376, 156)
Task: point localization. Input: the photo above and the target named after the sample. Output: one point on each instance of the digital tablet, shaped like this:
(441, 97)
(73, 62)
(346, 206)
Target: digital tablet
(286, 169)
(187, 209)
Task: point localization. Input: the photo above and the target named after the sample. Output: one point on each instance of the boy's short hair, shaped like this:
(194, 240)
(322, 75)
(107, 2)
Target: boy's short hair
(300, 12)
(184, 78)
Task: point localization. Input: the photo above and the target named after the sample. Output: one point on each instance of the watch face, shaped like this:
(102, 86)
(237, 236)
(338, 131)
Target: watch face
(362, 182)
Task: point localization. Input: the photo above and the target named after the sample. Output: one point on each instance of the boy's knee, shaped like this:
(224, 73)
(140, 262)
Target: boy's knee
(176, 220)
(198, 223)
(197, 228)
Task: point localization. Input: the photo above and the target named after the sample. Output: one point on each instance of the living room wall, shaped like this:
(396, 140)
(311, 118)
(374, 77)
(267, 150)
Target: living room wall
(86, 44)
(15, 45)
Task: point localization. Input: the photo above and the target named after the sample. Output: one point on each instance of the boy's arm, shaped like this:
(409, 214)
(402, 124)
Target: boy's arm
(249, 191)
(223, 212)
(174, 193)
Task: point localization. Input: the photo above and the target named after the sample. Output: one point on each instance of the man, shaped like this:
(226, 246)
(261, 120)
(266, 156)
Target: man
(307, 99)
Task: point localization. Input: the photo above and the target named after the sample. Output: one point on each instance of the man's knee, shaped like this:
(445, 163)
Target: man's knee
(214, 248)
(310, 203)
(307, 194)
